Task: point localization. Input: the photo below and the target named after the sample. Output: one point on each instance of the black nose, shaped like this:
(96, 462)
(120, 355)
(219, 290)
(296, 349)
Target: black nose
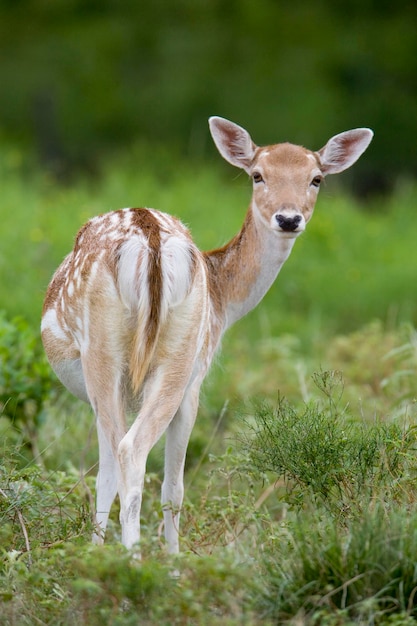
(288, 223)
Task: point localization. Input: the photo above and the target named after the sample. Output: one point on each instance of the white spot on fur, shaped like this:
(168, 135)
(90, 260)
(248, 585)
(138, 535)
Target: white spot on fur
(115, 219)
(164, 220)
(50, 322)
(81, 333)
(94, 267)
(77, 277)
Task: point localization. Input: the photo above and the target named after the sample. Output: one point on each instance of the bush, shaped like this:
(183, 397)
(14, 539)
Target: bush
(344, 550)
(327, 456)
(38, 510)
(25, 376)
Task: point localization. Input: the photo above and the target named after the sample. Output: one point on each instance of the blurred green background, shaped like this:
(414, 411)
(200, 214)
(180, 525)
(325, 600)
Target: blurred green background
(80, 79)
(104, 104)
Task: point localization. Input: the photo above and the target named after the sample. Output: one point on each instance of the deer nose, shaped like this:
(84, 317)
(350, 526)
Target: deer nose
(288, 224)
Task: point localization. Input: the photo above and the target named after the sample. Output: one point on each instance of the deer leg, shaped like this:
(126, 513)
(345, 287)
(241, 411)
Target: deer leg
(163, 395)
(105, 396)
(106, 484)
(133, 452)
(177, 438)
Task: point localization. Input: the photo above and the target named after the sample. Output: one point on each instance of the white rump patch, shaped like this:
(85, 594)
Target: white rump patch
(176, 270)
(133, 273)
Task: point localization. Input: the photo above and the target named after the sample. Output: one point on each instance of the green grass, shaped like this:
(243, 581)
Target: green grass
(301, 512)
(308, 517)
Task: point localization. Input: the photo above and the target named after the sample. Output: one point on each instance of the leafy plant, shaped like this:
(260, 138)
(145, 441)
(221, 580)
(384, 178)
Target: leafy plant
(344, 551)
(327, 456)
(37, 509)
(26, 381)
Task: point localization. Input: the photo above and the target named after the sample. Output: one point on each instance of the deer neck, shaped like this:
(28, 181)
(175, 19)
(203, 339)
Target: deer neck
(242, 271)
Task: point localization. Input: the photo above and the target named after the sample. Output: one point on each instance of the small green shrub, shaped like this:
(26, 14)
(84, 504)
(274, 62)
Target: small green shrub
(327, 456)
(37, 509)
(26, 380)
(344, 550)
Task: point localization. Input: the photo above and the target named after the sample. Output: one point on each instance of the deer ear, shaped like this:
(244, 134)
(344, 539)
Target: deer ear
(343, 150)
(233, 142)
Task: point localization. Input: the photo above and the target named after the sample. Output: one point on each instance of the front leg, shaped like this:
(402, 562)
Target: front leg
(177, 438)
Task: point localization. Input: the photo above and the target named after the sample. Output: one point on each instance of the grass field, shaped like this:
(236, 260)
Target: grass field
(301, 474)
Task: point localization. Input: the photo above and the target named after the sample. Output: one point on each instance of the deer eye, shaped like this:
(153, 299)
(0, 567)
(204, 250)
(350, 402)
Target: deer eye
(257, 177)
(316, 181)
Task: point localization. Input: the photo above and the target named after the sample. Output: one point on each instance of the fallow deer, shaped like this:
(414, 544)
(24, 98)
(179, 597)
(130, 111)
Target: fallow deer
(134, 314)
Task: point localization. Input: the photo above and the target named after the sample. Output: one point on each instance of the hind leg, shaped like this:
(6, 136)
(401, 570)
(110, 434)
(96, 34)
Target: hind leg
(177, 438)
(161, 401)
(104, 390)
(106, 484)
(163, 394)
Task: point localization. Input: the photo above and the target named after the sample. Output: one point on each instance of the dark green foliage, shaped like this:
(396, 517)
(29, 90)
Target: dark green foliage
(26, 381)
(80, 78)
